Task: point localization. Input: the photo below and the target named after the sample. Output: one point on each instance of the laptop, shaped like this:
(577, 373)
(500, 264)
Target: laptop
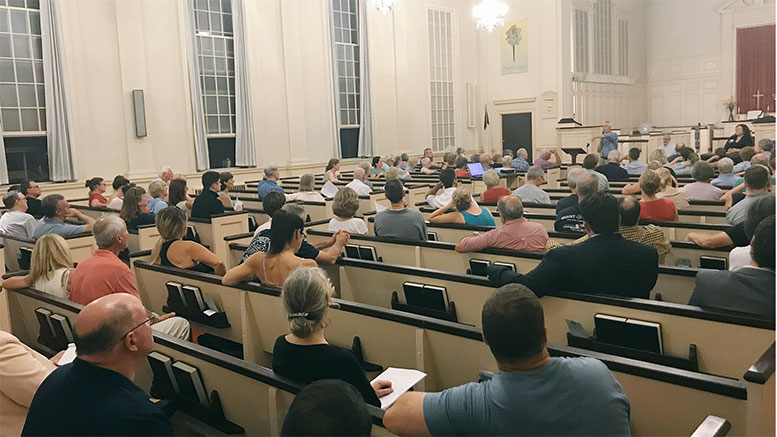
(475, 169)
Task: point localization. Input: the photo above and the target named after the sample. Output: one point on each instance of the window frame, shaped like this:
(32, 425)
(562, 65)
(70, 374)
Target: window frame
(354, 62)
(436, 141)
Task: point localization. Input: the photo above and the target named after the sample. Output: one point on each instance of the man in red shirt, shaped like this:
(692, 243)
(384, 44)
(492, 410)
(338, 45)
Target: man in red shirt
(104, 273)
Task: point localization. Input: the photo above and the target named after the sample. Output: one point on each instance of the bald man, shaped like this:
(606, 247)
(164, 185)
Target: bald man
(357, 184)
(95, 393)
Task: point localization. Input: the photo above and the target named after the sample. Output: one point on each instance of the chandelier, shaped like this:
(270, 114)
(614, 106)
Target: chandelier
(382, 5)
(490, 14)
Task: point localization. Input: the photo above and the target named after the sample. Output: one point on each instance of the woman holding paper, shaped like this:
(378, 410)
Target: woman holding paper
(306, 297)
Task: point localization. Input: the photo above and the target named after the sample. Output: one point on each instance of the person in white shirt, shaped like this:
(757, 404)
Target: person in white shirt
(306, 191)
(344, 207)
(448, 184)
(530, 192)
(357, 184)
(16, 222)
(667, 147)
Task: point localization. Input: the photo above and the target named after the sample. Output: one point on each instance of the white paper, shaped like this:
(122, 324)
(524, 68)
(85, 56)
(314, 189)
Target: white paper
(401, 381)
(69, 355)
(379, 207)
(209, 312)
(329, 189)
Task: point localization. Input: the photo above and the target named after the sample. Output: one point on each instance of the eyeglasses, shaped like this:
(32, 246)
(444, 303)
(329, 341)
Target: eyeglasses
(150, 320)
(304, 236)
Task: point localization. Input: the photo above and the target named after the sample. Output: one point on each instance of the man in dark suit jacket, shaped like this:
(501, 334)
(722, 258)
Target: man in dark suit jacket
(606, 263)
(749, 289)
(613, 169)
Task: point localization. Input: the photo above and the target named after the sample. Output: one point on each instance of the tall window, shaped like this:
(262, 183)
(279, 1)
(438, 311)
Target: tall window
(603, 37)
(441, 75)
(623, 47)
(346, 52)
(581, 41)
(22, 97)
(216, 55)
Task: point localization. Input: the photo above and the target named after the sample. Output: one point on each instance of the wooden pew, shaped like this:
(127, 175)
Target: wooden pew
(93, 212)
(213, 230)
(437, 347)
(252, 397)
(144, 238)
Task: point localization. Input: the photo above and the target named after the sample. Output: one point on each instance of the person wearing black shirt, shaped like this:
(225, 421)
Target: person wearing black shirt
(570, 219)
(572, 176)
(741, 138)
(304, 354)
(31, 191)
(95, 395)
(133, 208)
(612, 169)
(208, 203)
(740, 234)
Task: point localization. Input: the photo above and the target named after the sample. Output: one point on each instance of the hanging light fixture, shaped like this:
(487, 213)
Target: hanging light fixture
(382, 5)
(490, 14)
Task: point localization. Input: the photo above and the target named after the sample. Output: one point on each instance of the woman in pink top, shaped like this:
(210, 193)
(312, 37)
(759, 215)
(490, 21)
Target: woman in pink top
(544, 160)
(651, 207)
(702, 189)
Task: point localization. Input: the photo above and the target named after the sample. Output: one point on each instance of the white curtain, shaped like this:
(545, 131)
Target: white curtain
(59, 124)
(365, 128)
(3, 164)
(245, 150)
(200, 135)
(336, 151)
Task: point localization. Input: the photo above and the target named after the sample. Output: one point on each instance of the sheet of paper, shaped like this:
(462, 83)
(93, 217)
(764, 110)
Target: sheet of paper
(379, 207)
(69, 355)
(329, 189)
(401, 381)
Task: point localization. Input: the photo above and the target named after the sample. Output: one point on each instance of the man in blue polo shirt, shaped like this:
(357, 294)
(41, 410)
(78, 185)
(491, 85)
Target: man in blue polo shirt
(609, 142)
(532, 394)
(55, 210)
(270, 182)
(95, 395)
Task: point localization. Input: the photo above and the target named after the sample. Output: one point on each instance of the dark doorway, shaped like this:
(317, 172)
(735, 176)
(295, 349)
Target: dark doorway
(516, 132)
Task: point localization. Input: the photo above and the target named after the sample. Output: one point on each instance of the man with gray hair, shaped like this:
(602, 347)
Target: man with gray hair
(364, 165)
(165, 175)
(270, 181)
(516, 233)
(104, 273)
(16, 222)
(55, 209)
(612, 169)
(357, 184)
(571, 219)
(156, 189)
(726, 178)
(572, 176)
(530, 192)
(521, 161)
(765, 146)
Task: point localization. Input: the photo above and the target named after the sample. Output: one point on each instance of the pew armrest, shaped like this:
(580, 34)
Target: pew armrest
(763, 369)
(713, 426)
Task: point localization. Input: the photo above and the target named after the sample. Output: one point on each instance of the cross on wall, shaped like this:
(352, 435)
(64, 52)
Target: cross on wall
(758, 96)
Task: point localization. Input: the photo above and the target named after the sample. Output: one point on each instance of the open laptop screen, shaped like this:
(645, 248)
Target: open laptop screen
(475, 169)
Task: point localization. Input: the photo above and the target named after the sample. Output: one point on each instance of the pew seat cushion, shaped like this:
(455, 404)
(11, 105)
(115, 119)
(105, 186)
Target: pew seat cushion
(83, 399)
(566, 396)
(308, 363)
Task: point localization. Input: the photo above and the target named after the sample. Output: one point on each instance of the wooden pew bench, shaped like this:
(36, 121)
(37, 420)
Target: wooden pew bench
(144, 238)
(213, 230)
(437, 347)
(252, 397)
(93, 212)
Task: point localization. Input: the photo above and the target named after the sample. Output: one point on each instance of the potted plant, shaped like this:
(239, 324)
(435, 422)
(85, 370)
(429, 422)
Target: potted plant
(730, 104)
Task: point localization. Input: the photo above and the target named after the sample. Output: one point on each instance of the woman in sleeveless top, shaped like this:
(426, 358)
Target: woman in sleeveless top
(50, 268)
(172, 251)
(275, 265)
(468, 212)
(227, 183)
(96, 189)
(332, 170)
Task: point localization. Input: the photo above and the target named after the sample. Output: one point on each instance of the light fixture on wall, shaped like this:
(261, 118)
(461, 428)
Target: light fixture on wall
(490, 14)
(382, 5)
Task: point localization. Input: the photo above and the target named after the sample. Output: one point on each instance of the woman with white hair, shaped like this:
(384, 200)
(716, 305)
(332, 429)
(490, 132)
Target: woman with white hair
(304, 353)
(726, 178)
(493, 190)
(426, 166)
(467, 211)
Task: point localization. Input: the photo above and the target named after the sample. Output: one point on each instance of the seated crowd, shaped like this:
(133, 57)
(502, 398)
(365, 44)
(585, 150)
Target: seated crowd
(532, 392)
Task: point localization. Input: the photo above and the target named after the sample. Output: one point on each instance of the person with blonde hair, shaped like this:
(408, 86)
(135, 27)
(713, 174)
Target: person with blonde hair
(651, 207)
(467, 211)
(50, 268)
(306, 191)
(668, 189)
(173, 251)
(134, 209)
(344, 207)
(493, 190)
(306, 296)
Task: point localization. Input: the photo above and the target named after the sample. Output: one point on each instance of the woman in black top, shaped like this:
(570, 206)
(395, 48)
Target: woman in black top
(304, 354)
(171, 250)
(741, 138)
(134, 208)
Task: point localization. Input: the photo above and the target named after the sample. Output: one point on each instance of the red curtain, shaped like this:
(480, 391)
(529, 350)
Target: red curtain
(755, 68)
